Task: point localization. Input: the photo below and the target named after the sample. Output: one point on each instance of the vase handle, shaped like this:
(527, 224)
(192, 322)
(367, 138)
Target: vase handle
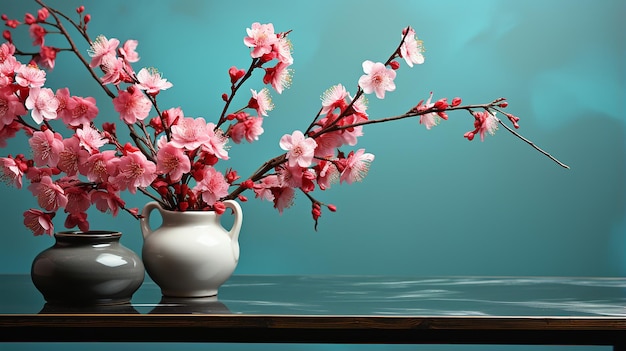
(144, 221)
(234, 231)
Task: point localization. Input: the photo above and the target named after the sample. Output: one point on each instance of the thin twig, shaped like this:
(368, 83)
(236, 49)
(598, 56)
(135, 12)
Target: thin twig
(532, 144)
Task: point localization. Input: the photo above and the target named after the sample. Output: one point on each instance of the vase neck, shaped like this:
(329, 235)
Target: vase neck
(189, 217)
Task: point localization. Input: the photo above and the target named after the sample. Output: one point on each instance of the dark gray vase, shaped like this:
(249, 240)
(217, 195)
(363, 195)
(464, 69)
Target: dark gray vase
(87, 268)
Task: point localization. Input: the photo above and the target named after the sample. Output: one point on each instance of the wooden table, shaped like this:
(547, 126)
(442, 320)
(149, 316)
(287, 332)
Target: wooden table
(339, 309)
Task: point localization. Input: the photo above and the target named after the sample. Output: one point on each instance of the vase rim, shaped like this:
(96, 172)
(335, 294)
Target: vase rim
(92, 234)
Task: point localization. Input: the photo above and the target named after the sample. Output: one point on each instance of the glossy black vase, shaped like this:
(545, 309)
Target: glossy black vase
(87, 268)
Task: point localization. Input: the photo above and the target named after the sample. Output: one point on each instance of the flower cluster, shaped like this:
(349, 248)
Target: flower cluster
(173, 158)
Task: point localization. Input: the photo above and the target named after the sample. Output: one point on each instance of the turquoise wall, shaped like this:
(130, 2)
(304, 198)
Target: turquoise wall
(433, 203)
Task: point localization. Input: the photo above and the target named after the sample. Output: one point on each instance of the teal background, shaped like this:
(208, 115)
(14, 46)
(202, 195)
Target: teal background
(433, 203)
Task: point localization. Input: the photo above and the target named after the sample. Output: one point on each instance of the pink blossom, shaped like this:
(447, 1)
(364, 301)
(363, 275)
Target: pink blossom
(485, 122)
(34, 174)
(39, 222)
(300, 150)
(132, 105)
(216, 143)
(8, 131)
(78, 200)
(283, 198)
(190, 133)
(91, 139)
(430, 119)
(327, 174)
(50, 196)
(11, 171)
(128, 51)
(106, 201)
(377, 78)
(7, 50)
(213, 186)
(349, 135)
(80, 111)
(72, 156)
(151, 81)
(263, 189)
(78, 219)
(43, 104)
(283, 50)
(327, 143)
(334, 97)
(63, 96)
(291, 176)
(99, 166)
(115, 69)
(47, 147)
(10, 106)
(102, 49)
(249, 128)
(356, 166)
(278, 76)
(30, 76)
(360, 105)
(172, 160)
(412, 48)
(37, 33)
(261, 101)
(47, 56)
(260, 38)
(7, 69)
(134, 171)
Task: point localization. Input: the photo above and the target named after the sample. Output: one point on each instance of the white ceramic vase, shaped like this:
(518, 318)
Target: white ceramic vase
(191, 254)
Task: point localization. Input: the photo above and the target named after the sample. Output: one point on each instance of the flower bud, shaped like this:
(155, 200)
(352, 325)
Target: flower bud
(6, 34)
(242, 198)
(225, 97)
(248, 184)
(183, 206)
(42, 14)
(235, 74)
(332, 207)
(456, 101)
(394, 65)
(232, 176)
(441, 104)
(219, 207)
(87, 18)
(469, 136)
(80, 9)
(29, 19)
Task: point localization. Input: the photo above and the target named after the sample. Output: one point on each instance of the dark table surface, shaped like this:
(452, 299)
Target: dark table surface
(289, 308)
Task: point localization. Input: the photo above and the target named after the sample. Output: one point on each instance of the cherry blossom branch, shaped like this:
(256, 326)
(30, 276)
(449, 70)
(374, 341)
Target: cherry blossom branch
(233, 90)
(150, 195)
(74, 49)
(258, 174)
(79, 28)
(349, 110)
(415, 113)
